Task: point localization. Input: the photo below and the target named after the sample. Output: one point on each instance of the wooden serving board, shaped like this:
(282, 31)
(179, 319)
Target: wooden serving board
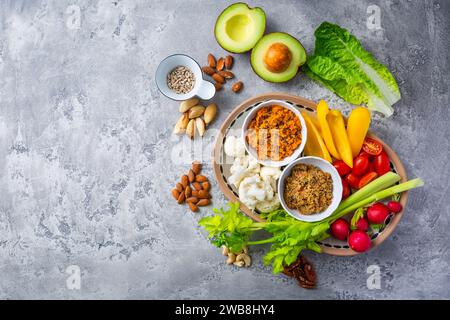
(232, 126)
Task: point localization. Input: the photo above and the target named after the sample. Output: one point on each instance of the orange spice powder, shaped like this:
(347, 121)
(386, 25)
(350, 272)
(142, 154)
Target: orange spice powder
(274, 133)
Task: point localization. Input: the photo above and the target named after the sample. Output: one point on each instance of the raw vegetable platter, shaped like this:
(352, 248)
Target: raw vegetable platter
(233, 124)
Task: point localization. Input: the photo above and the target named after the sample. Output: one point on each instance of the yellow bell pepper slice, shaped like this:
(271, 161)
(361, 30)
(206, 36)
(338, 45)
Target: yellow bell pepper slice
(357, 126)
(337, 128)
(314, 143)
(322, 111)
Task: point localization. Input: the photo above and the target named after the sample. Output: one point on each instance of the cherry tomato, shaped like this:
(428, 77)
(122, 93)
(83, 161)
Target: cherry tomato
(341, 167)
(363, 153)
(345, 189)
(365, 179)
(382, 163)
(371, 166)
(360, 165)
(353, 180)
(372, 146)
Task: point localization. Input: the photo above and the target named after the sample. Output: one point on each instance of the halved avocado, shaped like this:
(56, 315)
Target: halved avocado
(277, 57)
(239, 27)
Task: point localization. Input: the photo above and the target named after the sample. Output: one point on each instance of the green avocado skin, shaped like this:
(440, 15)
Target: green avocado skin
(233, 10)
(260, 49)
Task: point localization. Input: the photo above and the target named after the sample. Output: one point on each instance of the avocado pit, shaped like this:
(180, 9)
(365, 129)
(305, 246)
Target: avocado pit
(277, 58)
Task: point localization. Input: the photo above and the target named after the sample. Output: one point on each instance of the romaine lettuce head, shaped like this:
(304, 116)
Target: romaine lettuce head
(341, 63)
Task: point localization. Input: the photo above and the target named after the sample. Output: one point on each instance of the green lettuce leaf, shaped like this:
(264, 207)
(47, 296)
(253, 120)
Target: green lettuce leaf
(341, 64)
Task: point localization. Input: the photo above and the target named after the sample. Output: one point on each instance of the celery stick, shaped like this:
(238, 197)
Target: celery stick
(411, 184)
(381, 183)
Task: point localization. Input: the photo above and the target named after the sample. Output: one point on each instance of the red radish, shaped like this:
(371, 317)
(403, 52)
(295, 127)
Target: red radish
(394, 206)
(340, 229)
(362, 225)
(359, 241)
(345, 189)
(377, 213)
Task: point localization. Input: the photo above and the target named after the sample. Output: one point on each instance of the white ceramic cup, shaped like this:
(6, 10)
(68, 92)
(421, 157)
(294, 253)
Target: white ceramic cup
(252, 114)
(323, 165)
(203, 89)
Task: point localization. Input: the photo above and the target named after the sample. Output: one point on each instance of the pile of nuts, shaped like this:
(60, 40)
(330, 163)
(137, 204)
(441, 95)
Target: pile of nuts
(220, 72)
(194, 115)
(193, 188)
(303, 271)
(239, 260)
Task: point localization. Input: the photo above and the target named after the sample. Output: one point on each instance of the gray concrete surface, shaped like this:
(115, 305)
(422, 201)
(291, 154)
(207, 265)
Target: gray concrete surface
(86, 151)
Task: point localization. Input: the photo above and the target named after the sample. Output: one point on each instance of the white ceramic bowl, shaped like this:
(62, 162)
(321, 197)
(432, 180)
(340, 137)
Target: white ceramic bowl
(323, 165)
(253, 152)
(203, 89)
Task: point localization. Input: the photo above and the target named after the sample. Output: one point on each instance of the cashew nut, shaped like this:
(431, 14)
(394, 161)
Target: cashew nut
(244, 258)
(239, 264)
(231, 258)
(225, 251)
(245, 249)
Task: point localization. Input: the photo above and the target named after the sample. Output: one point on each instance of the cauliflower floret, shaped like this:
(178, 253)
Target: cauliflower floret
(238, 170)
(253, 191)
(234, 147)
(269, 205)
(270, 173)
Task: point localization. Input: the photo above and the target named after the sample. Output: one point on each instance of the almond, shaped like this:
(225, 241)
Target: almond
(200, 124)
(220, 64)
(200, 178)
(191, 175)
(193, 207)
(192, 199)
(226, 74)
(196, 167)
(181, 198)
(211, 61)
(175, 193)
(187, 192)
(187, 104)
(218, 86)
(179, 187)
(210, 113)
(197, 186)
(237, 87)
(203, 202)
(218, 78)
(184, 181)
(181, 125)
(228, 62)
(194, 193)
(196, 111)
(208, 70)
(203, 194)
(206, 185)
(190, 130)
